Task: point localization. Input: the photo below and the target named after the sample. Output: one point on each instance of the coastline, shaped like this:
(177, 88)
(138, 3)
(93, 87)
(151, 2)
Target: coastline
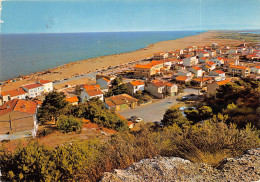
(88, 66)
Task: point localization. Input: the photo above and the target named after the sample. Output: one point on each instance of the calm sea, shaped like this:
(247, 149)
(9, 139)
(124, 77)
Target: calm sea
(28, 53)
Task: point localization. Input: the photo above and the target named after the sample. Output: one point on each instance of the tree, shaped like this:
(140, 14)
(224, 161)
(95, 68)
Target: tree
(52, 106)
(205, 112)
(77, 90)
(174, 115)
(69, 124)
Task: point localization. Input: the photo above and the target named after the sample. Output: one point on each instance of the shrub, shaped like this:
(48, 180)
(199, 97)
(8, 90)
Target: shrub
(69, 124)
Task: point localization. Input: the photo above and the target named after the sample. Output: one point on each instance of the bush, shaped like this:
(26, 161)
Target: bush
(69, 124)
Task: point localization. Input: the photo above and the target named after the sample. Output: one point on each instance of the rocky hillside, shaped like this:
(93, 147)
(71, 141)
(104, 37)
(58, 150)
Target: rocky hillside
(242, 168)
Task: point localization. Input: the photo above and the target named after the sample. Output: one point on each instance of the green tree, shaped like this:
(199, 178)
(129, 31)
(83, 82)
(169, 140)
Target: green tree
(52, 106)
(69, 124)
(174, 116)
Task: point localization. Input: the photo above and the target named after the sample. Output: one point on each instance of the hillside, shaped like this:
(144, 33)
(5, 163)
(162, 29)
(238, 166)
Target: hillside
(242, 168)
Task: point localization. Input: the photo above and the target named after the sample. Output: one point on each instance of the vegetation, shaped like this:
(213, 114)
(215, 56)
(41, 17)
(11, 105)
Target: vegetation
(174, 116)
(118, 87)
(248, 37)
(196, 115)
(239, 100)
(53, 106)
(142, 97)
(96, 113)
(68, 124)
(88, 160)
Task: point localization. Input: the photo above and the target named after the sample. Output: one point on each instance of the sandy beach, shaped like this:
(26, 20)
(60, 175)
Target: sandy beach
(91, 65)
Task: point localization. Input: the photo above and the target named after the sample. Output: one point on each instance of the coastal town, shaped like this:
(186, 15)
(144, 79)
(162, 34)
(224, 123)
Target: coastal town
(137, 84)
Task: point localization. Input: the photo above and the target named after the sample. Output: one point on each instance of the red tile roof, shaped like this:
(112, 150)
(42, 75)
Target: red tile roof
(89, 87)
(219, 71)
(72, 99)
(258, 67)
(238, 67)
(119, 100)
(223, 82)
(14, 93)
(44, 81)
(137, 82)
(32, 85)
(181, 78)
(196, 68)
(19, 106)
(94, 92)
(158, 83)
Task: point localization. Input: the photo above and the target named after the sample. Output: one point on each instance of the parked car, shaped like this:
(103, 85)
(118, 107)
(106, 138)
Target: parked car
(138, 120)
(132, 118)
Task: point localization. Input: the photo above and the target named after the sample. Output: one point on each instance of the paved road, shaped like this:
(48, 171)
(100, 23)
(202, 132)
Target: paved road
(155, 111)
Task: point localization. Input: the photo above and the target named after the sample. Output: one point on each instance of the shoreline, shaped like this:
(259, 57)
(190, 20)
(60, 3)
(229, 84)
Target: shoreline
(87, 66)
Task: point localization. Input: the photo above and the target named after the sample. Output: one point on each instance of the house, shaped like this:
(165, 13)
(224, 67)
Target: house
(120, 102)
(212, 87)
(190, 61)
(212, 53)
(202, 81)
(13, 94)
(239, 70)
(255, 70)
(171, 54)
(91, 91)
(134, 86)
(233, 56)
(48, 85)
(219, 61)
(179, 51)
(183, 79)
(179, 67)
(18, 119)
(160, 55)
(160, 89)
(184, 73)
(147, 70)
(34, 89)
(203, 54)
(196, 70)
(219, 73)
(203, 59)
(105, 82)
(73, 100)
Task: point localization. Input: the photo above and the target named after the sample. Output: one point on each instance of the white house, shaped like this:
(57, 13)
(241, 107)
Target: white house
(134, 86)
(196, 70)
(34, 89)
(159, 89)
(85, 95)
(160, 55)
(203, 59)
(184, 73)
(48, 85)
(255, 70)
(190, 61)
(104, 81)
(203, 54)
(219, 61)
(218, 73)
(13, 94)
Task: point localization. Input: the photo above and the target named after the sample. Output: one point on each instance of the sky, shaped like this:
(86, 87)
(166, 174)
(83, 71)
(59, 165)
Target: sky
(35, 16)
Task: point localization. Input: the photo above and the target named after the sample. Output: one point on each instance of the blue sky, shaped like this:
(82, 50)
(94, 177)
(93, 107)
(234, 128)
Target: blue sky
(128, 15)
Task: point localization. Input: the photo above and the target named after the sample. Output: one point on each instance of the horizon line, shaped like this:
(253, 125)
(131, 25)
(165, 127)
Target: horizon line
(249, 29)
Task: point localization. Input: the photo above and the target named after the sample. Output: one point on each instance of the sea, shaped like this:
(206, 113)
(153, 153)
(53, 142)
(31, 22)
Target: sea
(22, 54)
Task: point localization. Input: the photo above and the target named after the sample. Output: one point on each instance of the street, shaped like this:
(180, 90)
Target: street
(155, 111)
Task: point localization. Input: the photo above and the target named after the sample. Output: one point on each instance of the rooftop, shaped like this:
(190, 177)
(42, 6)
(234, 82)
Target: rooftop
(32, 85)
(119, 100)
(14, 93)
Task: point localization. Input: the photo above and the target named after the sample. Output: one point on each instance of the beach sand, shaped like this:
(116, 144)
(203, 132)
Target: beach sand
(90, 65)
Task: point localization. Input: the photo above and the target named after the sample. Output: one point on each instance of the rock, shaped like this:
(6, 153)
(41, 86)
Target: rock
(162, 169)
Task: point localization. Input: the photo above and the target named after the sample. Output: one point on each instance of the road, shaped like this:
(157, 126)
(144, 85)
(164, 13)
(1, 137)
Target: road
(155, 111)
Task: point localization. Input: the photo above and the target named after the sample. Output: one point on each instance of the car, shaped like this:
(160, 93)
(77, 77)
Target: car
(184, 98)
(138, 120)
(132, 118)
